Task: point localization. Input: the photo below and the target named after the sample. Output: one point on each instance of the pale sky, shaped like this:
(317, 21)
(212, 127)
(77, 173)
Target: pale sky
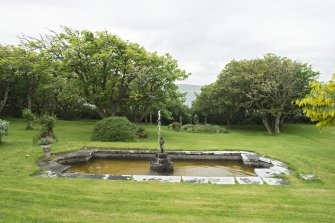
(203, 35)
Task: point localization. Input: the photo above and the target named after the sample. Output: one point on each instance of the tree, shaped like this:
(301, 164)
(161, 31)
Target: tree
(107, 70)
(8, 72)
(262, 88)
(319, 104)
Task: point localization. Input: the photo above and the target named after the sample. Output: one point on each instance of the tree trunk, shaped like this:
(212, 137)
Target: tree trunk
(146, 119)
(205, 120)
(277, 123)
(266, 124)
(5, 97)
(228, 122)
(181, 120)
(29, 101)
(101, 112)
(283, 117)
(150, 119)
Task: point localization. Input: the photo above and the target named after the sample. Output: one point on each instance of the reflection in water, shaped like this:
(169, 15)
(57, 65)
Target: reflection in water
(181, 168)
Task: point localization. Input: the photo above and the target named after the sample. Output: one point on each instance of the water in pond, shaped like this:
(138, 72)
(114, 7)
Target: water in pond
(181, 168)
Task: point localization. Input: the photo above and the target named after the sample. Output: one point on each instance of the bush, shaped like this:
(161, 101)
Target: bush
(48, 121)
(204, 128)
(46, 133)
(140, 133)
(29, 116)
(3, 128)
(187, 126)
(176, 126)
(114, 129)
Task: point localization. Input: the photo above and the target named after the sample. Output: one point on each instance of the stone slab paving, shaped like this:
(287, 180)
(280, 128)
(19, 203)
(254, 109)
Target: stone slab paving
(54, 166)
(265, 172)
(308, 176)
(190, 179)
(279, 163)
(118, 177)
(250, 158)
(249, 180)
(172, 179)
(221, 180)
(265, 160)
(47, 174)
(280, 170)
(84, 175)
(274, 181)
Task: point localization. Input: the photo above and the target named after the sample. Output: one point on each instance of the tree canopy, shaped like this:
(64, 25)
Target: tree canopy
(62, 72)
(110, 73)
(319, 104)
(261, 88)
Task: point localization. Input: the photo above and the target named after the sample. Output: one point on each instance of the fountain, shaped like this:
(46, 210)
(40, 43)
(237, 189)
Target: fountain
(161, 164)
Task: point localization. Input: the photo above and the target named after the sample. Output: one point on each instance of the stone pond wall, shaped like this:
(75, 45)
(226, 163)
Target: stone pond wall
(267, 171)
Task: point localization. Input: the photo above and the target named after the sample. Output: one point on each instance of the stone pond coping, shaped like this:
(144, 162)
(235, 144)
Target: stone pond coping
(267, 172)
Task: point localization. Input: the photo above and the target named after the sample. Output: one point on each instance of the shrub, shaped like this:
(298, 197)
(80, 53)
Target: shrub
(46, 133)
(176, 126)
(187, 126)
(114, 129)
(140, 133)
(3, 128)
(204, 129)
(29, 116)
(48, 121)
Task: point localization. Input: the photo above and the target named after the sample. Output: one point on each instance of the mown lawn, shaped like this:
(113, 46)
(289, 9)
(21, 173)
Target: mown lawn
(24, 198)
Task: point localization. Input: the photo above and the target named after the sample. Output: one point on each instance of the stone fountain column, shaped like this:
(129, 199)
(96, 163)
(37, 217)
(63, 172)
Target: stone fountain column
(161, 163)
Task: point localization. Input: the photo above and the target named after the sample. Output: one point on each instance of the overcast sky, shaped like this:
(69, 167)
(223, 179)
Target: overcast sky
(203, 35)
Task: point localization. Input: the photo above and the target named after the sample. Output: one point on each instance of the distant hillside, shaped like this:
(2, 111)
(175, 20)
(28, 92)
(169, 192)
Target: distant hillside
(190, 90)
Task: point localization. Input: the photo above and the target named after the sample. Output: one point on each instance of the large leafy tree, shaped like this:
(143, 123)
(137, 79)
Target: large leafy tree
(8, 72)
(263, 88)
(110, 73)
(319, 104)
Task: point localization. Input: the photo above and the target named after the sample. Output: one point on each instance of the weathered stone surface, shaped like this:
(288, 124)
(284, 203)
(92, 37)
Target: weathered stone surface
(280, 170)
(279, 163)
(275, 181)
(161, 164)
(47, 174)
(221, 180)
(249, 180)
(265, 160)
(250, 158)
(308, 176)
(265, 172)
(83, 175)
(53, 166)
(118, 177)
(173, 179)
(190, 179)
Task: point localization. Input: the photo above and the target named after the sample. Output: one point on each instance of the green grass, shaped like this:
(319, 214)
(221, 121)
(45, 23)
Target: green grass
(24, 198)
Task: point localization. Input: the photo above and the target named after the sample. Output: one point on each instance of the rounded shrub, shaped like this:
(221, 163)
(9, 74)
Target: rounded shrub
(114, 129)
(29, 116)
(204, 128)
(176, 126)
(141, 133)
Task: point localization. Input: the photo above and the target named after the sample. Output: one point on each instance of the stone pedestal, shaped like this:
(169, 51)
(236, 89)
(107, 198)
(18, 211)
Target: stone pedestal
(161, 164)
(47, 151)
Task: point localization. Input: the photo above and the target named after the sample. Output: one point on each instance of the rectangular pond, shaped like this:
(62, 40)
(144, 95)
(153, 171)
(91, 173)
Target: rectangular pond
(208, 168)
